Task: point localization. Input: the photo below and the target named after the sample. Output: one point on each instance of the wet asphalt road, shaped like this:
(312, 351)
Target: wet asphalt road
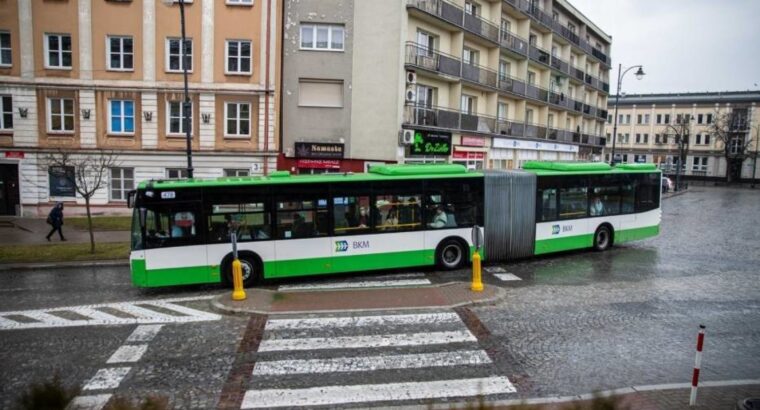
(575, 323)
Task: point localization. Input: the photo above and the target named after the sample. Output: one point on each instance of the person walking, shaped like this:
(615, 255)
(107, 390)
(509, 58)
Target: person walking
(55, 219)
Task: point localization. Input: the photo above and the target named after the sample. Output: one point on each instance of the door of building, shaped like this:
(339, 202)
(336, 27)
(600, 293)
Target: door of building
(9, 195)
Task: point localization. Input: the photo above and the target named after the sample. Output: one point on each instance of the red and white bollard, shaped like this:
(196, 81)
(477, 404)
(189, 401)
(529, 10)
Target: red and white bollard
(697, 364)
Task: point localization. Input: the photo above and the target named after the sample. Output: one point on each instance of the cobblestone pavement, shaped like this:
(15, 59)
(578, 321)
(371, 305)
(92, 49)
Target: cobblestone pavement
(571, 324)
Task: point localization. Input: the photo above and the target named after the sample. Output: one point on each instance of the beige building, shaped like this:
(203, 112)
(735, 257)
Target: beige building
(81, 75)
(489, 84)
(643, 132)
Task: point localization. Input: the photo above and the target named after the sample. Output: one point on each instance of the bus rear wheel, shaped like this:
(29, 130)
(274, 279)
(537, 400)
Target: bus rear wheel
(602, 238)
(250, 267)
(451, 254)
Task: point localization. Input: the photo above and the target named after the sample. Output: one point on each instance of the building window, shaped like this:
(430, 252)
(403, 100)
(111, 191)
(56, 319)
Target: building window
(698, 140)
(472, 8)
(176, 173)
(709, 118)
(699, 164)
(659, 118)
(736, 146)
(237, 119)
(646, 118)
(322, 37)
(628, 118)
(175, 54)
(425, 43)
(58, 51)
(699, 118)
(60, 115)
(122, 181)
(639, 158)
(640, 119)
(469, 56)
(120, 53)
(175, 117)
(320, 93)
(6, 112)
(238, 57)
(425, 96)
(531, 78)
(501, 112)
(6, 57)
(236, 172)
(121, 117)
(707, 139)
(468, 104)
(667, 118)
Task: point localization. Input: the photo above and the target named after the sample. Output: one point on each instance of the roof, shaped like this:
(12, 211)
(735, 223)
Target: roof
(720, 97)
(548, 168)
(376, 173)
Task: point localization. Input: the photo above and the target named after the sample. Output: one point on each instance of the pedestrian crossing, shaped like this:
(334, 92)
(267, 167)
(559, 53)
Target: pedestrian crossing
(123, 313)
(499, 273)
(384, 281)
(370, 359)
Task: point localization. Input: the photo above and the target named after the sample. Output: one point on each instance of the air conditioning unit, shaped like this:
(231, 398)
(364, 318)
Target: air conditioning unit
(410, 97)
(406, 137)
(411, 78)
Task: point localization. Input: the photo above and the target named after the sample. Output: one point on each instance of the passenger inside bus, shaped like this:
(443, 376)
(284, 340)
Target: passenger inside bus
(440, 219)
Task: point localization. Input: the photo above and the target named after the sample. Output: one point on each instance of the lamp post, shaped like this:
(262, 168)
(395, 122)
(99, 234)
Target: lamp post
(186, 107)
(639, 75)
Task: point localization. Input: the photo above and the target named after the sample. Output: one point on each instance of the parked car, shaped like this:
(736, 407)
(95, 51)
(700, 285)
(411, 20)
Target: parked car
(667, 184)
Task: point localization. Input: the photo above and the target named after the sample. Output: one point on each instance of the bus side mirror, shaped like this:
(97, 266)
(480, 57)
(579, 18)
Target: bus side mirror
(131, 195)
(142, 215)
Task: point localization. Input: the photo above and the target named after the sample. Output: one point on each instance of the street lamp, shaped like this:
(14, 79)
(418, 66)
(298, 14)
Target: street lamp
(186, 103)
(639, 75)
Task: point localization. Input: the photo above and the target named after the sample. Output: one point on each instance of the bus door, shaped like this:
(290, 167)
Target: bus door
(175, 250)
(302, 245)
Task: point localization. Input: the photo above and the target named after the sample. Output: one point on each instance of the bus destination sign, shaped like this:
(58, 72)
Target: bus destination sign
(430, 143)
(319, 150)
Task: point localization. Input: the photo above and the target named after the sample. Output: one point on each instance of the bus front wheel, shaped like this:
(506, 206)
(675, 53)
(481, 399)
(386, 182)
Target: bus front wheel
(251, 270)
(451, 254)
(602, 238)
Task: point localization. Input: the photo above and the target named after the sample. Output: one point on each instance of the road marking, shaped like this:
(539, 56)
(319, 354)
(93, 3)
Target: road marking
(144, 333)
(94, 402)
(108, 378)
(495, 269)
(331, 395)
(358, 342)
(46, 318)
(94, 314)
(371, 363)
(141, 312)
(354, 285)
(506, 276)
(362, 321)
(127, 354)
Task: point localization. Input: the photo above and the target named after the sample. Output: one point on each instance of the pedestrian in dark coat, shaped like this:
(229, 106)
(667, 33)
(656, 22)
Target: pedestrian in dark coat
(55, 219)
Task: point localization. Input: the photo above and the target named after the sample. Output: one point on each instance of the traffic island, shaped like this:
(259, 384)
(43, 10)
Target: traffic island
(268, 302)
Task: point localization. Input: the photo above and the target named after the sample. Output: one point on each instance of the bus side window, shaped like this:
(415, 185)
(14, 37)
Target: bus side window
(548, 204)
(627, 196)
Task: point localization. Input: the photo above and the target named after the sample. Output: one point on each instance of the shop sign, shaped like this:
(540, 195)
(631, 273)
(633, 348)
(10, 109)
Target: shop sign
(472, 155)
(533, 145)
(318, 163)
(14, 154)
(62, 181)
(321, 150)
(430, 143)
(473, 141)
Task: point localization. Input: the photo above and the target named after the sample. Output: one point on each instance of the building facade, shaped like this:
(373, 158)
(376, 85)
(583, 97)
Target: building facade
(85, 75)
(489, 84)
(645, 132)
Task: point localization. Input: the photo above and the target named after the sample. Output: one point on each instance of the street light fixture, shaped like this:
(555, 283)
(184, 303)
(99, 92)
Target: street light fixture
(185, 104)
(639, 75)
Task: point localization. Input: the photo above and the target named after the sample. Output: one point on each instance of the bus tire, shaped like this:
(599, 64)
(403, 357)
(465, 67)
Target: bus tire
(603, 238)
(251, 265)
(451, 254)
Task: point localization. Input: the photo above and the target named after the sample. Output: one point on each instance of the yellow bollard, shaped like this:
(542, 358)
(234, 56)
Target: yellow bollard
(237, 281)
(477, 283)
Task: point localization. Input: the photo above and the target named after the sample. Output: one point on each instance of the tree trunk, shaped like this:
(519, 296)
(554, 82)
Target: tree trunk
(89, 224)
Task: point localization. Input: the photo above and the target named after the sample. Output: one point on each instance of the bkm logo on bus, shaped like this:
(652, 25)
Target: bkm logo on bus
(341, 246)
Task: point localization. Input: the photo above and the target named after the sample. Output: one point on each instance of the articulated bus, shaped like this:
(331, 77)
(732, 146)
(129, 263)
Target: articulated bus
(393, 216)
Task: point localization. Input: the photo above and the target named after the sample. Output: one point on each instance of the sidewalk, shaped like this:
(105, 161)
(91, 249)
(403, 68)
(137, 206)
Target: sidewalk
(32, 231)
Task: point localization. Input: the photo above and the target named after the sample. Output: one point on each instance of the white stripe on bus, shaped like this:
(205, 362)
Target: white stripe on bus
(353, 285)
(358, 342)
(356, 321)
(332, 395)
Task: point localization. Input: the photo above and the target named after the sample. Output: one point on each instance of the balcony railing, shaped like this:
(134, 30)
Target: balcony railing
(514, 43)
(536, 93)
(431, 60)
(456, 15)
(511, 85)
(480, 75)
(538, 54)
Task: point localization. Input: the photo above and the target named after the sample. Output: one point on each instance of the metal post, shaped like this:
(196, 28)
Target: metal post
(186, 108)
(614, 127)
(697, 366)
(477, 241)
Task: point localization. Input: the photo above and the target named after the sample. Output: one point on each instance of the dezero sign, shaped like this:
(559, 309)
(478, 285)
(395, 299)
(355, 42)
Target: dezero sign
(430, 143)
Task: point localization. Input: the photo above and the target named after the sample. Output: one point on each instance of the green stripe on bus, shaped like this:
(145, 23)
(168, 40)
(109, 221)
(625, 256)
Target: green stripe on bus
(187, 275)
(320, 266)
(587, 240)
(637, 233)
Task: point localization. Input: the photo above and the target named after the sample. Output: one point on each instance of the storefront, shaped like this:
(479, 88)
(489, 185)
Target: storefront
(318, 158)
(471, 152)
(508, 153)
(428, 147)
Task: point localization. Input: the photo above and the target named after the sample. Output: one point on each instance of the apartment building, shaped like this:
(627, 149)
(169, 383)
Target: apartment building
(84, 75)
(645, 132)
(489, 84)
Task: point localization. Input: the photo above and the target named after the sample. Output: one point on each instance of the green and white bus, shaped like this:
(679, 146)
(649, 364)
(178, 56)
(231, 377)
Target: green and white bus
(394, 216)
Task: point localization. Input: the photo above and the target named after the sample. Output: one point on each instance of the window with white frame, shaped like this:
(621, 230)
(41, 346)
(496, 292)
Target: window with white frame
(237, 117)
(175, 121)
(6, 56)
(58, 51)
(646, 118)
(425, 96)
(472, 8)
(175, 54)
(322, 37)
(60, 114)
(699, 164)
(468, 104)
(236, 172)
(120, 53)
(501, 111)
(240, 2)
(121, 117)
(122, 181)
(707, 139)
(176, 173)
(6, 112)
(425, 43)
(238, 57)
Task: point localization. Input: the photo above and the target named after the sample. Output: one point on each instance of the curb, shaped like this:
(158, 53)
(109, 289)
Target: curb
(220, 307)
(52, 265)
(676, 193)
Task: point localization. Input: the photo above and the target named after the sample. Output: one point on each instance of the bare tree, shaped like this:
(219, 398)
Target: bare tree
(87, 172)
(680, 131)
(754, 154)
(731, 128)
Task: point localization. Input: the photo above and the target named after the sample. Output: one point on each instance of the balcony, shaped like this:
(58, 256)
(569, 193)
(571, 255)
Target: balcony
(480, 75)
(538, 54)
(455, 15)
(430, 60)
(513, 43)
(511, 85)
(510, 128)
(431, 116)
(536, 93)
